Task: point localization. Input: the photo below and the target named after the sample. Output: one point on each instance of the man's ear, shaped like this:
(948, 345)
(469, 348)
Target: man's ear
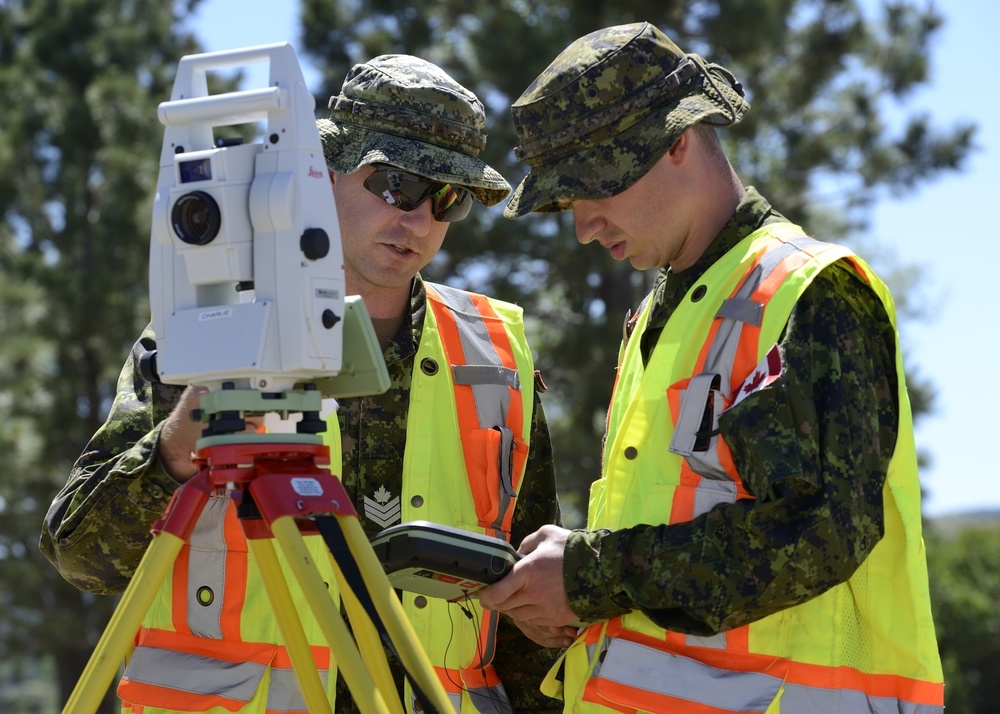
(678, 152)
(333, 176)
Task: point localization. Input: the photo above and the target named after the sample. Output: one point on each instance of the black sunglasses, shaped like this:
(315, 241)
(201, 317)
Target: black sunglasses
(406, 191)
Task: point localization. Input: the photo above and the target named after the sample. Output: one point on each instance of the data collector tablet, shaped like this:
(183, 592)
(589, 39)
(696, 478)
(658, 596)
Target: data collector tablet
(440, 561)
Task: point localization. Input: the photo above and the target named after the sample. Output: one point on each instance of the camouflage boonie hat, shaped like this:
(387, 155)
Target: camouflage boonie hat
(407, 112)
(607, 109)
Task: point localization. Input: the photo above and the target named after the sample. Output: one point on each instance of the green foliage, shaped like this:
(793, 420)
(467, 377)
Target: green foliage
(24, 688)
(79, 152)
(965, 592)
(817, 142)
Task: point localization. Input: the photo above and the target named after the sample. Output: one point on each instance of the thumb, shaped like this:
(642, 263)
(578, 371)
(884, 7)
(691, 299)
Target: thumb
(497, 595)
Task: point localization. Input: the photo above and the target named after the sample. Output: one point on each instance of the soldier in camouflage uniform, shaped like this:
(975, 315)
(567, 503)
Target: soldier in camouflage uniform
(754, 539)
(401, 132)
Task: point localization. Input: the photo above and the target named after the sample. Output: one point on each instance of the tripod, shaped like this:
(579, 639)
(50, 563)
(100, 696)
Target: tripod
(281, 491)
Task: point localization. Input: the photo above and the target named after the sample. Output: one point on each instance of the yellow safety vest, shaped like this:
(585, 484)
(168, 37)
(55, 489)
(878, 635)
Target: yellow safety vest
(865, 645)
(210, 639)
(471, 401)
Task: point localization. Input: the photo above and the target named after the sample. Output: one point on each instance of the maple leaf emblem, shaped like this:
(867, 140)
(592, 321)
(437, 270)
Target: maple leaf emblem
(382, 496)
(754, 382)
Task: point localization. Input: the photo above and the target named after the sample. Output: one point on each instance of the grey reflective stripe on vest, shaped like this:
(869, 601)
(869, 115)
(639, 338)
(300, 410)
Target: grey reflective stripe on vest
(485, 700)
(483, 371)
(454, 699)
(491, 383)
(700, 389)
(716, 485)
(207, 676)
(207, 569)
(284, 693)
(482, 374)
(490, 380)
(490, 700)
(195, 674)
(734, 313)
(717, 641)
(797, 698)
(652, 670)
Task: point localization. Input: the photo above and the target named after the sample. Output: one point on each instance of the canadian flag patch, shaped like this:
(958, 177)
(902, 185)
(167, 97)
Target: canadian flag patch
(766, 372)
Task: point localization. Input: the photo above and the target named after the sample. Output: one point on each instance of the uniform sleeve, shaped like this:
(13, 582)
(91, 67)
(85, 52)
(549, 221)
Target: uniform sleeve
(520, 663)
(813, 448)
(537, 500)
(98, 526)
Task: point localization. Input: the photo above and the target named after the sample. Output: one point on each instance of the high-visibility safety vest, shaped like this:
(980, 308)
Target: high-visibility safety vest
(210, 640)
(866, 645)
(471, 401)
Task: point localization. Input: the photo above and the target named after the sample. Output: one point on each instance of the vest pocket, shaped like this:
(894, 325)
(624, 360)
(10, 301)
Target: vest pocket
(494, 458)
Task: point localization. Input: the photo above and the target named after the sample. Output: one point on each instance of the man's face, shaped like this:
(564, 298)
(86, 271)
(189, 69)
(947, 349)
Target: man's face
(384, 247)
(641, 224)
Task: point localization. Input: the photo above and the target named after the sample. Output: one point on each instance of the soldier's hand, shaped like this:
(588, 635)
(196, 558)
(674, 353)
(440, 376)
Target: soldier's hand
(533, 593)
(180, 432)
(556, 637)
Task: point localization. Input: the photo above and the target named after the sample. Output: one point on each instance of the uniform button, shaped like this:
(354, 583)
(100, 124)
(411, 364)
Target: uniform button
(205, 596)
(428, 366)
(156, 492)
(417, 501)
(420, 601)
(631, 452)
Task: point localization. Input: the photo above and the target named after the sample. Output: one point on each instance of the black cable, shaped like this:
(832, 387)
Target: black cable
(470, 613)
(451, 638)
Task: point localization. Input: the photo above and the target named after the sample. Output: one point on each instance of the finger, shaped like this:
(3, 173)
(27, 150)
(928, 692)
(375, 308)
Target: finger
(498, 595)
(531, 615)
(568, 632)
(539, 615)
(531, 541)
(548, 636)
(550, 641)
(255, 425)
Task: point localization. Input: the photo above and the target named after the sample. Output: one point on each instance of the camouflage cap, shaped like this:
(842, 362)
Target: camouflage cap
(607, 109)
(404, 111)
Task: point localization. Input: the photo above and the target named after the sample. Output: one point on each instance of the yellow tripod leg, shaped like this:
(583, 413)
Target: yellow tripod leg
(290, 626)
(368, 640)
(368, 698)
(391, 609)
(125, 622)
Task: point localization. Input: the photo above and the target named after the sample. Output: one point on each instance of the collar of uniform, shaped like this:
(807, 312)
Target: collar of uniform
(404, 342)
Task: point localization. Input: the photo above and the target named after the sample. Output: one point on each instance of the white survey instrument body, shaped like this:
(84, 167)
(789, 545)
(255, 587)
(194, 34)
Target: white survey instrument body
(246, 266)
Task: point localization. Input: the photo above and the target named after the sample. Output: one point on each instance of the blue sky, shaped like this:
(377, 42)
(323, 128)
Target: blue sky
(947, 228)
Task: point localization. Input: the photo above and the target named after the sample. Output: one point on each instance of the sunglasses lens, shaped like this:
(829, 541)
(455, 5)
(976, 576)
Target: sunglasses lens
(406, 191)
(450, 203)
